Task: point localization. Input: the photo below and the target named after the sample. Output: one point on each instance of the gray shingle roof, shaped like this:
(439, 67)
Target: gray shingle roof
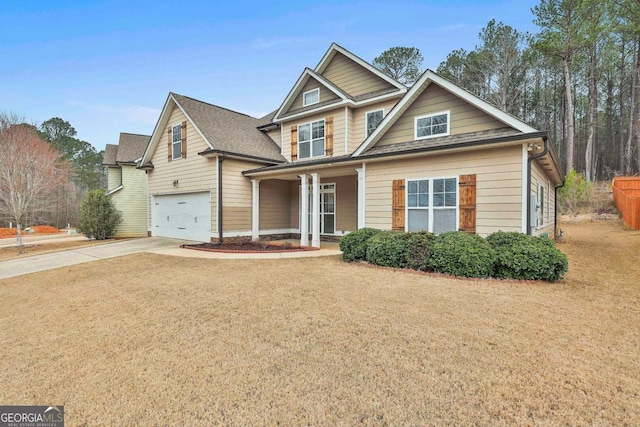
(230, 131)
(131, 147)
(110, 154)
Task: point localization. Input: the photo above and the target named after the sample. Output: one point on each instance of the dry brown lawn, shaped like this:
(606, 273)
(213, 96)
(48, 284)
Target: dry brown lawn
(44, 247)
(156, 340)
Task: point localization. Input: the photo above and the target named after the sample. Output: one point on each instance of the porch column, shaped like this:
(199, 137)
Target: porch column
(315, 211)
(361, 198)
(304, 211)
(255, 209)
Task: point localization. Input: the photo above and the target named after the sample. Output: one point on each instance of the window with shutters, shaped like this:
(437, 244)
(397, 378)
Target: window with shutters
(432, 125)
(176, 142)
(432, 205)
(373, 119)
(311, 139)
(311, 97)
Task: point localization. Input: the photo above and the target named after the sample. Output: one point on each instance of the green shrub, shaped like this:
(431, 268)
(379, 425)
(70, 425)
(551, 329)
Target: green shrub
(529, 258)
(461, 254)
(419, 250)
(99, 218)
(354, 244)
(388, 249)
(575, 195)
(509, 238)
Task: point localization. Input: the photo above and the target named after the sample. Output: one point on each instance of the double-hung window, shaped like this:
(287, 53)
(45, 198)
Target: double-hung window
(432, 205)
(311, 139)
(432, 125)
(311, 97)
(176, 142)
(373, 119)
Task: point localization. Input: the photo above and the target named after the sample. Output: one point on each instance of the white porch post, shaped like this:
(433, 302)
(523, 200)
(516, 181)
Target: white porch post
(304, 211)
(255, 209)
(361, 198)
(315, 212)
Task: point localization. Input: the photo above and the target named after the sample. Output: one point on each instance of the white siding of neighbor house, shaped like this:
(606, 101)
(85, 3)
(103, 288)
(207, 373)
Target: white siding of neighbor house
(194, 174)
(114, 177)
(131, 200)
(498, 185)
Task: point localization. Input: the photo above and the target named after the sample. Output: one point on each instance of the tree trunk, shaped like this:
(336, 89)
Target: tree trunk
(636, 116)
(589, 157)
(633, 116)
(621, 92)
(19, 234)
(570, 121)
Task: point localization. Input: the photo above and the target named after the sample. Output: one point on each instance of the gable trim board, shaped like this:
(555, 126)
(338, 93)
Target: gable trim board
(423, 82)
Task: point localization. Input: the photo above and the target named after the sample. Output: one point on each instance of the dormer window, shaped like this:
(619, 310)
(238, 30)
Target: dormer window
(432, 125)
(311, 97)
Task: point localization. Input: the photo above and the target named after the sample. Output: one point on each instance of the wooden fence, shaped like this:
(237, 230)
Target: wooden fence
(626, 194)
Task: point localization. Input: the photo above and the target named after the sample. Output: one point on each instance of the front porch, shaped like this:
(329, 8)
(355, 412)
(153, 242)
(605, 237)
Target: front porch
(317, 204)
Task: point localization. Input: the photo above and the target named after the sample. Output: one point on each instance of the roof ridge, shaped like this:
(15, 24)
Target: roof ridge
(136, 134)
(214, 105)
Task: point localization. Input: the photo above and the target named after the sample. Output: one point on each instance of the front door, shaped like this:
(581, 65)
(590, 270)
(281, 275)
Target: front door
(327, 208)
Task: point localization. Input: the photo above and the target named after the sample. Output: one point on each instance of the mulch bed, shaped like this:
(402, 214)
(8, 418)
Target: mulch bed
(247, 247)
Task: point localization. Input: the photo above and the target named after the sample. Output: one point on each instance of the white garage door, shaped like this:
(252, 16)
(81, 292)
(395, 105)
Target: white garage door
(183, 216)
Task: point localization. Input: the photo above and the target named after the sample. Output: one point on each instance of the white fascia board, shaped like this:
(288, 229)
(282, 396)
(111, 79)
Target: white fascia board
(155, 138)
(118, 188)
(337, 48)
(306, 74)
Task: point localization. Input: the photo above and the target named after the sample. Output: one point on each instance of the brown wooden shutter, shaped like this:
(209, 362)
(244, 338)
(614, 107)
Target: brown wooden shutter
(467, 185)
(184, 140)
(397, 220)
(294, 143)
(328, 142)
(170, 156)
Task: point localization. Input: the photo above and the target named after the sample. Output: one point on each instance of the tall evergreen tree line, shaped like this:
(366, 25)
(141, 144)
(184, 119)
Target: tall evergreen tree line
(578, 78)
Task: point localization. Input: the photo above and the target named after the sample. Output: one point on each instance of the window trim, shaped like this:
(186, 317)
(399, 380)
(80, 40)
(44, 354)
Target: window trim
(540, 222)
(366, 121)
(430, 208)
(335, 207)
(304, 97)
(174, 143)
(324, 139)
(415, 125)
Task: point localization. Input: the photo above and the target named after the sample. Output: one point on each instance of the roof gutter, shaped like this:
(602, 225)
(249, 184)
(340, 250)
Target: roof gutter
(531, 159)
(221, 159)
(226, 154)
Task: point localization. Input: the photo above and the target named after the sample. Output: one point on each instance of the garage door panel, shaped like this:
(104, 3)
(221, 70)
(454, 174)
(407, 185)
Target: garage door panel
(183, 216)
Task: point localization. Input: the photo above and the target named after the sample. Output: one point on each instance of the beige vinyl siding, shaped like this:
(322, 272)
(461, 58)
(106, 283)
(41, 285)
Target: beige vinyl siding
(499, 185)
(352, 77)
(538, 175)
(236, 197)
(338, 131)
(114, 177)
(358, 134)
(325, 94)
(463, 116)
(194, 174)
(131, 200)
(275, 197)
(275, 136)
(346, 202)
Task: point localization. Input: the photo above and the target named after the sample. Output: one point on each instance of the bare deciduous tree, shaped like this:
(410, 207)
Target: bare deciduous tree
(30, 170)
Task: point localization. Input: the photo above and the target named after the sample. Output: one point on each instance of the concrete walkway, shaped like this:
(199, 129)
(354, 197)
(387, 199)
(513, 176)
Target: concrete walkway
(157, 245)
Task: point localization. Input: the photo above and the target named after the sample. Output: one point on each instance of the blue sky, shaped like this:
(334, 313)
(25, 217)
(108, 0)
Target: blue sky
(108, 66)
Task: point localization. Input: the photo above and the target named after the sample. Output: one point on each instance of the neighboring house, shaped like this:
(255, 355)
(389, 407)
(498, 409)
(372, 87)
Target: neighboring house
(126, 184)
(349, 148)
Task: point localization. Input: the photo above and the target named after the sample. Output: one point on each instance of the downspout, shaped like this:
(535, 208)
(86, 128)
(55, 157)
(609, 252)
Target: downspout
(221, 158)
(531, 159)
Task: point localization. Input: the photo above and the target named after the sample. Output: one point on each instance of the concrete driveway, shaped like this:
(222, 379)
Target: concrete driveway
(36, 263)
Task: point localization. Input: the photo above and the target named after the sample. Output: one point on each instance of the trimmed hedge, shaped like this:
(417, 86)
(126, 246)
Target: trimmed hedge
(354, 244)
(461, 254)
(523, 257)
(419, 250)
(388, 249)
(504, 255)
